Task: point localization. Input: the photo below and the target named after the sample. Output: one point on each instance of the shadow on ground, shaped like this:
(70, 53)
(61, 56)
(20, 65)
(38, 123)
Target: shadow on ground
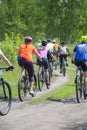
(77, 127)
(68, 100)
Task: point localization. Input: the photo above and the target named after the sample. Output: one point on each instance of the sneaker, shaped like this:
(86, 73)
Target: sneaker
(47, 82)
(60, 71)
(31, 93)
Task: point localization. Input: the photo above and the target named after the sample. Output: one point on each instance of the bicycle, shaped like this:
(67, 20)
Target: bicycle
(50, 67)
(63, 70)
(42, 78)
(80, 88)
(5, 94)
(55, 63)
(23, 85)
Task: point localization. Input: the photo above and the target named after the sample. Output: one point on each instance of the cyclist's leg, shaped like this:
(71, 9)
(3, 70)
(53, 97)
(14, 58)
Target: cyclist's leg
(45, 63)
(84, 67)
(83, 64)
(65, 58)
(60, 59)
(30, 69)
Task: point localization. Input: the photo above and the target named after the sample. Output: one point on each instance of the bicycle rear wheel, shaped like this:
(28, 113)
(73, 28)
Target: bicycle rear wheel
(79, 90)
(23, 91)
(40, 81)
(35, 85)
(5, 98)
(50, 70)
(64, 71)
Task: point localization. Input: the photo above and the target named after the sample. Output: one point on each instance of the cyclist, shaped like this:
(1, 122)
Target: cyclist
(63, 52)
(55, 49)
(25, 59)
(50, 45)
(4, 58)
(79, 58)
(43, 51)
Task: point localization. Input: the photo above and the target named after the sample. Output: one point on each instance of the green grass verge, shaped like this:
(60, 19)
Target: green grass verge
(64, 91)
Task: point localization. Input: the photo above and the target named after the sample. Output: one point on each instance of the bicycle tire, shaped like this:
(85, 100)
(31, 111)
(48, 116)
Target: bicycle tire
(35, 85)
(79, 91)
(50, 69)
(40, 82)
(63, 67)
(64, 71)
(23, 87)
(5, 98)
(48, 86)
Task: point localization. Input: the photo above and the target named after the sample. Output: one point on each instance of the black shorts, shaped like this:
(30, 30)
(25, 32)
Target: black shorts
(81, 63)
(45, 63)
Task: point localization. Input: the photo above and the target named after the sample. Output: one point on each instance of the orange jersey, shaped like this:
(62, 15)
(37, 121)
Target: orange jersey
(56, 46)
(26, 51)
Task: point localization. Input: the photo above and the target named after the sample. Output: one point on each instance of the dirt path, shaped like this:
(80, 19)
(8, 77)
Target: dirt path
(56, 115)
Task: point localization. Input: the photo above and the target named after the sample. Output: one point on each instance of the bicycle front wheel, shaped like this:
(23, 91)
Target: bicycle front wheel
(5, 98)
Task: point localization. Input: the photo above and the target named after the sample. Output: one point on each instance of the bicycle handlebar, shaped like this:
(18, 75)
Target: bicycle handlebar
(7, 69)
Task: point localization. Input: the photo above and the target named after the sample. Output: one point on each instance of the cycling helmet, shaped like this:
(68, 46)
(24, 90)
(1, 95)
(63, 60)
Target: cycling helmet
(62, 43)
(28, 39)
(54, 41)
(44, 43)
(83, 38)
(48, 40)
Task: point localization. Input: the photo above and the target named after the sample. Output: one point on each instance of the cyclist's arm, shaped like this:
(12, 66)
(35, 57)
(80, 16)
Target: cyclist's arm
(73, 54)
(52, 56)
(3, 57)
(68, 51)
(37, 55)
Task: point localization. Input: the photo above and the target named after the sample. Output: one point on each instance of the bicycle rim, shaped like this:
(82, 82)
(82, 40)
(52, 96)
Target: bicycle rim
(64, 71)
(40, 82)
(5, 98)
(79, 91)
(35, 85)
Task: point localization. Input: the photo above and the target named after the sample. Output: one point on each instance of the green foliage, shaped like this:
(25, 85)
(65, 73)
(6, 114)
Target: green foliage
(65, 19)
(10, 45)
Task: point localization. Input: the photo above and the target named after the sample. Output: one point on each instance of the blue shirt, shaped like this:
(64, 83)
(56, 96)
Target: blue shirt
(81, 51)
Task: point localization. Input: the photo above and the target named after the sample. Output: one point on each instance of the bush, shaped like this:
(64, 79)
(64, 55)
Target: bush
(10, 45)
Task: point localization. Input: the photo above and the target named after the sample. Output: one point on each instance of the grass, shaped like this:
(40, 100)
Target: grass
(64, 91)
(12, 78)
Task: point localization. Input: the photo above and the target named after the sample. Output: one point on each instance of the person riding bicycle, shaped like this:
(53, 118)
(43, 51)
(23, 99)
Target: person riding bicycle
(79, 57)
(55, 49)
(63, 52)
(50, 45)
(44, 51)
(25, 59)
(6, 61)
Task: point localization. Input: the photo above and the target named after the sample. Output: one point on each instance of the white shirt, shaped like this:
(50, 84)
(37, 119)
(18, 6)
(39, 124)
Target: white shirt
(50, 46)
